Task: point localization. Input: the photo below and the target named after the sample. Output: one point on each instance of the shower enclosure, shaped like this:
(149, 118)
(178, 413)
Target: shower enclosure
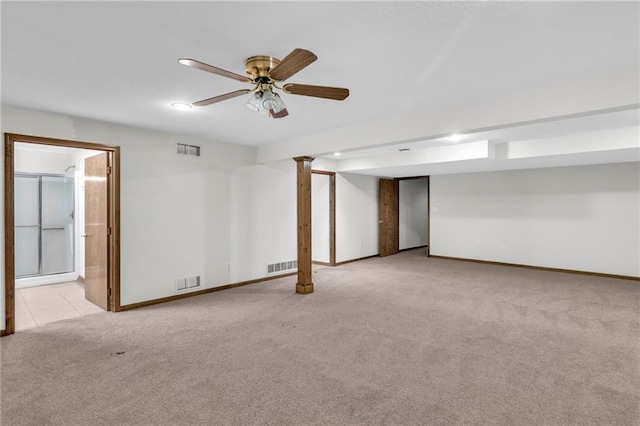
(44, 224)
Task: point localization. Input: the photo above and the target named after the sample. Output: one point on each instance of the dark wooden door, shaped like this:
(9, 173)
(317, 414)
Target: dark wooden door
(96, 258)
(389, 217)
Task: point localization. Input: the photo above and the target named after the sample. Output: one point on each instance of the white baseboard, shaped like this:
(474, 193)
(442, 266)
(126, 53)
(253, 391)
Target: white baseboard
(46, 279)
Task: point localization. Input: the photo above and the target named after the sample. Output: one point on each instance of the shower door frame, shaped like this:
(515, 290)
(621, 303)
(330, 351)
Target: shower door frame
(113, 208)
(73, 248)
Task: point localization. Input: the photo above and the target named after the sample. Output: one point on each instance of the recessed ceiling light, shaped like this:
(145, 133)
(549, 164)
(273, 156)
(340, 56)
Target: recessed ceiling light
(337, 154)
(181, 106)
(455, 138)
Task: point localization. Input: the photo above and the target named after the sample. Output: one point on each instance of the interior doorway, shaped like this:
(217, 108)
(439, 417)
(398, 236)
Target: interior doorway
(413, 194)
(409, 228)
(323, 217)
(23, 241)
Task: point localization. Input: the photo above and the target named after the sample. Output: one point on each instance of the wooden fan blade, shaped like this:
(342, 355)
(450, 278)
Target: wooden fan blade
(221, 98)
(291, 64)
(335, 93)
(280, 114)
(210, 68)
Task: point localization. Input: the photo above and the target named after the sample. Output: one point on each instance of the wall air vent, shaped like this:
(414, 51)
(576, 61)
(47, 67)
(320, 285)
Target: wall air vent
(193, 282)
(192, 150)
(282, 267)
(183, 284)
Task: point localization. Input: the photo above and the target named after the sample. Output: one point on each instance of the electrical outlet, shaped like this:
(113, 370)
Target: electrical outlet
(504, 247)
(228, 267)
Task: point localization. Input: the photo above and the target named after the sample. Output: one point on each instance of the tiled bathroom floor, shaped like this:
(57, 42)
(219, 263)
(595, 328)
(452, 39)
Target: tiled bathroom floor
(48, 303)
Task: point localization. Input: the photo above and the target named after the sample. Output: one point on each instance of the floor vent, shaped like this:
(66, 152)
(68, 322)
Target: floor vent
(192, 150)
(183, 284)
(280, 267)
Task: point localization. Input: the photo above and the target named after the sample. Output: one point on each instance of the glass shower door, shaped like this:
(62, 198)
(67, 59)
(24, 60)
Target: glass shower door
(27, 225)
(44, 222)
(57, 225)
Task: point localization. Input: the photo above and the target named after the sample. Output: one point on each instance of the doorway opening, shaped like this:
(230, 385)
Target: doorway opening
(413, 194)
(55, 242)
(404, 206)
(323, 217)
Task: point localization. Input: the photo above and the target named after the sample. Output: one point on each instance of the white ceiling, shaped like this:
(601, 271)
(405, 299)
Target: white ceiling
(117, 62)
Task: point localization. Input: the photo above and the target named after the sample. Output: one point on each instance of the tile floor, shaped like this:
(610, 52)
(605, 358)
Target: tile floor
(48, 303)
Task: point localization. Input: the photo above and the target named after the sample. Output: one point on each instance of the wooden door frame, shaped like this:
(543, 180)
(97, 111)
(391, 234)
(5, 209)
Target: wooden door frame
(113, 203)
(332, 215)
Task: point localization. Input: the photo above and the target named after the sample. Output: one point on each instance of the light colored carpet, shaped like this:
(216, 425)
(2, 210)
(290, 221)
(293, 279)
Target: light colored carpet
(385, 341)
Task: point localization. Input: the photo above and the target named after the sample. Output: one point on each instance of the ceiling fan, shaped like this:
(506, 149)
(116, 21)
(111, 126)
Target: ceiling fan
(265, 72)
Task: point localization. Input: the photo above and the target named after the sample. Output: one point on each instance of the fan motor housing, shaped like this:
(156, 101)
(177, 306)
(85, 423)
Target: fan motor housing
(260, 66)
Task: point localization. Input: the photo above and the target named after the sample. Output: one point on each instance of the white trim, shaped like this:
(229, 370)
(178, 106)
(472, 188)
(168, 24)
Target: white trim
(46, 279)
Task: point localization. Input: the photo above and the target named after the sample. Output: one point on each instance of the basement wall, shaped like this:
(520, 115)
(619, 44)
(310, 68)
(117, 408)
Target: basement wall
(220, 216)
(583, 218)
(263, 218)
(356, 216)
(175, 210)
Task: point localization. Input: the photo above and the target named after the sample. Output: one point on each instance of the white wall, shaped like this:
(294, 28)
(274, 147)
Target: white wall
(175, 211)
(356, 216)
(184, 216)
(320, 217)
(582, 218)
(264, 218)
(29, 159)
(413, 199)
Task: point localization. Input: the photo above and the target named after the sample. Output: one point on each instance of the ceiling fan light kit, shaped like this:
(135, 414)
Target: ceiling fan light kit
(267, 103)
(263, 72)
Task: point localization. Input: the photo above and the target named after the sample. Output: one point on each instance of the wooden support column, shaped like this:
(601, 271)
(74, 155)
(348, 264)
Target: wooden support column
(305, 284)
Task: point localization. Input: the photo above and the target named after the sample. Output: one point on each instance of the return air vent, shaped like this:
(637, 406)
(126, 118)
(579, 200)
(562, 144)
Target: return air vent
(183, 284)
(192, 150)
(281, 267)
